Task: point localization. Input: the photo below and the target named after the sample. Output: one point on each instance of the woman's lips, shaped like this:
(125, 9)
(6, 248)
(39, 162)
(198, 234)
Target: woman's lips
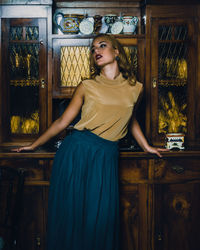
(98, 57)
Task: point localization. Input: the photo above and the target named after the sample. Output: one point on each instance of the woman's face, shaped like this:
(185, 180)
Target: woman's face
(103, 52)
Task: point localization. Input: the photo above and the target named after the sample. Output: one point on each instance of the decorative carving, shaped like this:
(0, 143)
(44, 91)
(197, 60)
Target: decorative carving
(181, 205)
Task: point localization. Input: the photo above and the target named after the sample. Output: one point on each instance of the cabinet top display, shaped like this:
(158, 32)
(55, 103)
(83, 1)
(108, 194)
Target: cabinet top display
(27, 2)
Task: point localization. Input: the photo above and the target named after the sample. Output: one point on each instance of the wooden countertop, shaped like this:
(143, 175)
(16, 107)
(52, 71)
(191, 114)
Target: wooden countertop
(41, 153)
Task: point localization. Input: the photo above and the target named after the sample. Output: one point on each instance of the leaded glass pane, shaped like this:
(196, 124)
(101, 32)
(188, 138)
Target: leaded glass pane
(32, 33)
(24, 109)
(172, 81)
(24, 63)
(24, 81)
(180, 32)
(165, 32)
(172, 61)
(75, 63)
(16, 33)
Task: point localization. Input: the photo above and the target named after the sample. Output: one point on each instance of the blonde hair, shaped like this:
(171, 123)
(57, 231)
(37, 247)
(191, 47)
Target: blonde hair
(122, 60)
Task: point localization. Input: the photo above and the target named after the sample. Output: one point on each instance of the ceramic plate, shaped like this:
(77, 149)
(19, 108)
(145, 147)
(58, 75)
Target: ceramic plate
(86, 27)
(117, 28)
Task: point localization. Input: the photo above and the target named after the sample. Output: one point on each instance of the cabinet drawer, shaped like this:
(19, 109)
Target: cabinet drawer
(177, 169)
(35, 171)
(133, 171)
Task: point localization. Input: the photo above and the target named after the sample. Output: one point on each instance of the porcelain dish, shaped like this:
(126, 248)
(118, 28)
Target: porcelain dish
(86, 27)
(117, 27)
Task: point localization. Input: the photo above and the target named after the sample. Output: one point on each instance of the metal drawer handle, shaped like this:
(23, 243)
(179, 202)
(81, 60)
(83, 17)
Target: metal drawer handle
(178, 169)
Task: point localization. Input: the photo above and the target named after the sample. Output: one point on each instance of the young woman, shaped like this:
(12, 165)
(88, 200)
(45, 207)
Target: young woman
(83, 212)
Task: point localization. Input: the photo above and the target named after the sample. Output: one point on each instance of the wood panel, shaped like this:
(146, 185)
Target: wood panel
(177, 220)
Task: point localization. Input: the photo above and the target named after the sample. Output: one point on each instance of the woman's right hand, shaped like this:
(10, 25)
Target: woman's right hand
(23, 148)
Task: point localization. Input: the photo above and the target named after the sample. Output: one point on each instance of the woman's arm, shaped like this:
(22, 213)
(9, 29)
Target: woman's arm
(141, 140)
(61, 123)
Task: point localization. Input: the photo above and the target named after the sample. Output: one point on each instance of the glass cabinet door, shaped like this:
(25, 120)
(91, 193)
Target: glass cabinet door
(71, 63)
(172, 78)
(24, 77)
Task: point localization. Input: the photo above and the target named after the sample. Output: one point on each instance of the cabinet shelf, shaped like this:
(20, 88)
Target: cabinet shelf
(79, 36)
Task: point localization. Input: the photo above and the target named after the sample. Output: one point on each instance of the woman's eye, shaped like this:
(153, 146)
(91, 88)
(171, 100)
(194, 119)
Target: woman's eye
(102, 45)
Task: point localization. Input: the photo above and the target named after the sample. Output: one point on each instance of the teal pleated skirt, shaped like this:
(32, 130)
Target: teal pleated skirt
(83, 207)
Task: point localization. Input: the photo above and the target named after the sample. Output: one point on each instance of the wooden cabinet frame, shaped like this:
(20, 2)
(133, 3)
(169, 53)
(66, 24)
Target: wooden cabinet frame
(157, 138)
(42, 41)
(42, 13)
(169, 14)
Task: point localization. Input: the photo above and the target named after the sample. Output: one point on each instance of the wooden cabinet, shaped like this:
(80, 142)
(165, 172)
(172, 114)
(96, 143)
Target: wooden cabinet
(70, 64)
(159, 198)
(160, 203)
(23, 202)
(24, 74)
(176, 204)
(45, 67)
(176, 216)
(171, 79)
(134, 192)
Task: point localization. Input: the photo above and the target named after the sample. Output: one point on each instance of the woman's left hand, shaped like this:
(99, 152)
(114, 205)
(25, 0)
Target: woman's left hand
(141, 140)
(154, 150)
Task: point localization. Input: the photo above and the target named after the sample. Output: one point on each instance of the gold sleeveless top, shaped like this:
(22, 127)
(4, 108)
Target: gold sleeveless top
(108, 106)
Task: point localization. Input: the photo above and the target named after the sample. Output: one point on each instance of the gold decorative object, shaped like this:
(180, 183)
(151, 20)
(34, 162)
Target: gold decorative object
(29, 65)
(176, 68)
(25, 82)
(171, 116)
(22, 125)
(17, 60)
(170, 67)
(182, 69)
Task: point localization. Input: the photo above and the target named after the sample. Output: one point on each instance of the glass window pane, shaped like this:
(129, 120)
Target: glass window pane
(24, 81)
(172, 61)
(180, 32)
(172, 79)
(16, 33)
(24, 109)
(24, 61)
(32, 33)
(75, 63)
(165, 32)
